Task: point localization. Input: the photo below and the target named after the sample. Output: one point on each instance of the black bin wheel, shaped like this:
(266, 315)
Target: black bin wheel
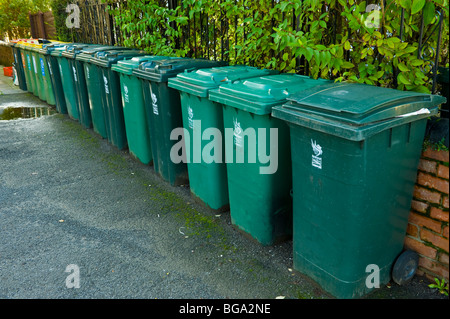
(405, 267)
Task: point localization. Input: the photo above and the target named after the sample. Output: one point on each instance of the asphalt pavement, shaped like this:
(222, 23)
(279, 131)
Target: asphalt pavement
(80, 219)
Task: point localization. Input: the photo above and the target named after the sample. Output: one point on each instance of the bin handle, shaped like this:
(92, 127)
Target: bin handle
(190, 69)
(421, 111)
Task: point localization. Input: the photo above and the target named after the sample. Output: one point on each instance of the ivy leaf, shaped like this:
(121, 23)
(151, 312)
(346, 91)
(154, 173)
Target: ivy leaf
(308, 53)
(406, 4)
(402, 79)
(417, 5)
(343, 3)
(347, 65)
(416, 62)
(379, 74)
(292, 64)
(402, 67)
(317, 57)
(428, 13)
(422, 89)
(347, 45)
(327, 57)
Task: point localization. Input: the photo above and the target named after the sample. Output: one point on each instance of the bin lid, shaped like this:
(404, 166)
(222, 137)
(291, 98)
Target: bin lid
(73, 49)
(258, 95)
(26, 43)
(127, 66)
(356, 111)
(88, 53)
(42, 41)
(35, 47)
(58, 50)
(199, 82)
(162, 70)
(109, 57)
(49, 47)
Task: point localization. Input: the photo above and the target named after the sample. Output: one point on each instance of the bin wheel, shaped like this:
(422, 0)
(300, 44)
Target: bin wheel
(405, 267)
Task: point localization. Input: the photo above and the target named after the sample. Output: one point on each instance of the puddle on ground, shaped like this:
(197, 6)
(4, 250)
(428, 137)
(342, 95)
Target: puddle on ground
(12, 113)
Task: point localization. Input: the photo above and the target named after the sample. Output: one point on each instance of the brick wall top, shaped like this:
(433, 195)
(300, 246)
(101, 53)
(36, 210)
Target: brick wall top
(441, 156)
(428, 229)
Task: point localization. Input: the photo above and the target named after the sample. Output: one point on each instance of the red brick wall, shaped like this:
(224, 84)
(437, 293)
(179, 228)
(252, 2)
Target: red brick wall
(427, 232)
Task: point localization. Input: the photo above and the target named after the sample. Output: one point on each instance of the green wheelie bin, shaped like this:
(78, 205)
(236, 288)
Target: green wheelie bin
(111, 93)
(55, 76)
(136, 126)
(31, 59)
(79, 76)
(26, 61)
(207, 170)
(163, 112)
(355, 153)
(94, 85)
(45, 74)
(40, 89)
(19, 64)
(79, 82)
(257, 153)
(67, 82)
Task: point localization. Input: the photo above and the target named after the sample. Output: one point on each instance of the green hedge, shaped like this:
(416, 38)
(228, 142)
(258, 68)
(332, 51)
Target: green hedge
(334, 39)
(59, 13)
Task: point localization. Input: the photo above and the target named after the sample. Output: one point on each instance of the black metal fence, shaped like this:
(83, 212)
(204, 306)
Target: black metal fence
(219, 36)
(96, 25)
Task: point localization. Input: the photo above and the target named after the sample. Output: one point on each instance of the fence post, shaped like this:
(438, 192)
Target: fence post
(41, 25)
(32, 26)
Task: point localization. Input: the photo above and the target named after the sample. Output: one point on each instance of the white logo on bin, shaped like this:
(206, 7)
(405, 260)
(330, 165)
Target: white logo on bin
(105, 80)
(34, 65)
(191, 117)
(316, 157)
(125, 93)
(74, 74)
(237, 134)
(155, 106)
(50, 67)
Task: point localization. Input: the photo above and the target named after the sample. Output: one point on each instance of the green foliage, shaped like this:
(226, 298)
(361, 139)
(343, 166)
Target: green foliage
(442, 286)
(59, 14)
(14, 20)
(334, 39)
(436, 146)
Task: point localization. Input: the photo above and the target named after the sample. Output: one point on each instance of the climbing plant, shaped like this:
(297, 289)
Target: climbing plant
(389, 43)
(59, 13)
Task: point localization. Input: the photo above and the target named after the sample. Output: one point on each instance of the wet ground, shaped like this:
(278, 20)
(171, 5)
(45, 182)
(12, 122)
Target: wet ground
(70, 199)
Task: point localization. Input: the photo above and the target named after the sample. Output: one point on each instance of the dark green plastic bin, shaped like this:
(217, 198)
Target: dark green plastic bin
(208, 171)
(136, 126)
(94, 85)
(355, 152)
(163, 111)
(67, 81)
(259, 187)
(111, 93)
(19, 65)
(79, 82)
(55, 75)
